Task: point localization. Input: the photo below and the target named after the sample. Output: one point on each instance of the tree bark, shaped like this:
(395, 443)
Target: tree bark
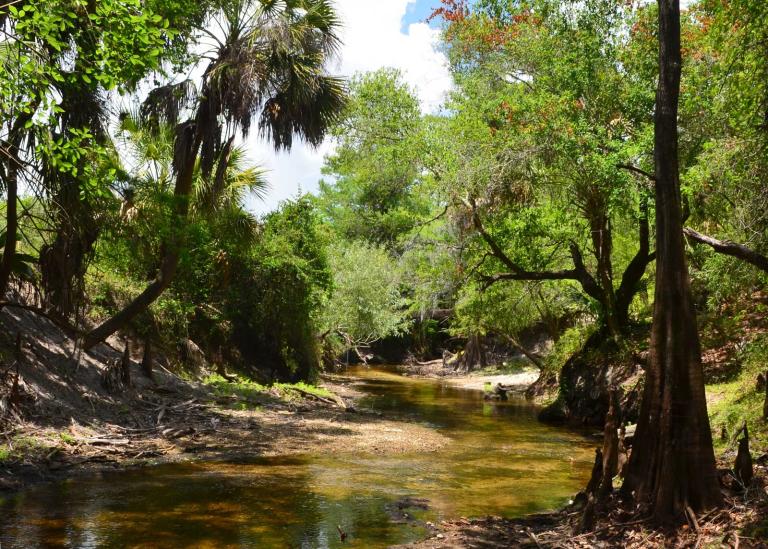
(610, 445)
(634, 272)
(672, 466)
(733, 249)
(146, 360)
(11, 226)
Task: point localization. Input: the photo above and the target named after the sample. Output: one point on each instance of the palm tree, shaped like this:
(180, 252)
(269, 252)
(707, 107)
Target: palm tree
(220, 200)
(267, 62)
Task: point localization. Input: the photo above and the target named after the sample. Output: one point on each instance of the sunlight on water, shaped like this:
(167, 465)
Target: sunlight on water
(501, 462)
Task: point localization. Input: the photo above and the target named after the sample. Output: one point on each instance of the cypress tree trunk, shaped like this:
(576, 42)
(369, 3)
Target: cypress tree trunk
(672, 466)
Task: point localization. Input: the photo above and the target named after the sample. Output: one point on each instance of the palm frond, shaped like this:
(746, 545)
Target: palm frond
(306, 113)
(272, 63)
(164, 104)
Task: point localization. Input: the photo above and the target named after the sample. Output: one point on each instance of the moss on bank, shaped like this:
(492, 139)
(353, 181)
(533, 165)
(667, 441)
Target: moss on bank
(252, 394)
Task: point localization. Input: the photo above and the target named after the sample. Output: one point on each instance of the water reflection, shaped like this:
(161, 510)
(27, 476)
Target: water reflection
(501, 462)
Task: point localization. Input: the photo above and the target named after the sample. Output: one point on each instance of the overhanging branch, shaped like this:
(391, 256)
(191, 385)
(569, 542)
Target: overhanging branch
(635, 169)
(579, 273)
(727, 247)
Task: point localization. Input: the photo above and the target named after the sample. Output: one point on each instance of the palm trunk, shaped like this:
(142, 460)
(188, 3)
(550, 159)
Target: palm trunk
(11, 174)
(12, 225)
(672, 467)
(187, 147)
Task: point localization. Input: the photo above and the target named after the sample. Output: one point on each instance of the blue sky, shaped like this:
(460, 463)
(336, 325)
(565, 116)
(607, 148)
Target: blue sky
(376, 34)
(418, 13)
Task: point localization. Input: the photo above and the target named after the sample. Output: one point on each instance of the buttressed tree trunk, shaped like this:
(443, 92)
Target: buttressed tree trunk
(672, 466)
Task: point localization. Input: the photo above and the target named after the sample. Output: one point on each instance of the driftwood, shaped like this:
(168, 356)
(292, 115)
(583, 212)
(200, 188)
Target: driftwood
(528, 354)
(334, 398)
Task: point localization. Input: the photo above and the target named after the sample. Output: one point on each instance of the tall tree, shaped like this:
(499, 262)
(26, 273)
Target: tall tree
(99, 37)
(672, 467)
(377, 169)
(548, 144)
(271, 61)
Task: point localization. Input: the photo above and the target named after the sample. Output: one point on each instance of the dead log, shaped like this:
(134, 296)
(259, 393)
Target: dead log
(536, 360)
(106, 441)
(334, 398)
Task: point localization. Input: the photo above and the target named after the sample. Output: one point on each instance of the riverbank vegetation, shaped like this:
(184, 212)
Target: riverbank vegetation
(590, 200)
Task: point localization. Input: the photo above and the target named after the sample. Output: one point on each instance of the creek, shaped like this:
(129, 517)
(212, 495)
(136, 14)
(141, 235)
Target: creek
(501, 461)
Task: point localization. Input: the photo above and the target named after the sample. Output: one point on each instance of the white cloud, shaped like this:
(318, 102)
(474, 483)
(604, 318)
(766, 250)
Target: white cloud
(372, 39)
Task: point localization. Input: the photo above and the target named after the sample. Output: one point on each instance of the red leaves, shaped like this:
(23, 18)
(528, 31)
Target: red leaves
(452, 11)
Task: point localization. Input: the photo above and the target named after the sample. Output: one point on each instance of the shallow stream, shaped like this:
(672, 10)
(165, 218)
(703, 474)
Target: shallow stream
(501, 461)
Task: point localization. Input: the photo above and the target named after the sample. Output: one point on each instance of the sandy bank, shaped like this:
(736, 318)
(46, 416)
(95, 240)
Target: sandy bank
(519, 382)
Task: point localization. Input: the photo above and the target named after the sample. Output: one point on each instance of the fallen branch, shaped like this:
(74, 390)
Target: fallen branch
(105, 441)
(335, 399)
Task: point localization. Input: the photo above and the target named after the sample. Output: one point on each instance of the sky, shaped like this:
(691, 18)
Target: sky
(375, 34)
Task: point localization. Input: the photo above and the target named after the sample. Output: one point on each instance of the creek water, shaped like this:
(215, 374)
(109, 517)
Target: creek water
(500, 461)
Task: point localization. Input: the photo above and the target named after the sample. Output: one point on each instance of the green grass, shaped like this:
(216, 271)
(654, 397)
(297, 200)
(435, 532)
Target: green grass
(734, 402)
(252, 395)
(21, 447)
(67, 438)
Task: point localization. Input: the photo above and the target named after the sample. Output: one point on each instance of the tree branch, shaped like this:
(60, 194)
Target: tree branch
(529, 276)
(636, 268)
(579, 273)
(635, 169)
(727, 247)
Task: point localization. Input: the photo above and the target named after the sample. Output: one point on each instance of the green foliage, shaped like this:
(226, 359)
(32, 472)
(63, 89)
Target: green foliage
(550, 102)
(375, 191)
(365, 304)
(21, 447)
(276, 299)
(570, 342)
(253, 395)
(734, 402)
